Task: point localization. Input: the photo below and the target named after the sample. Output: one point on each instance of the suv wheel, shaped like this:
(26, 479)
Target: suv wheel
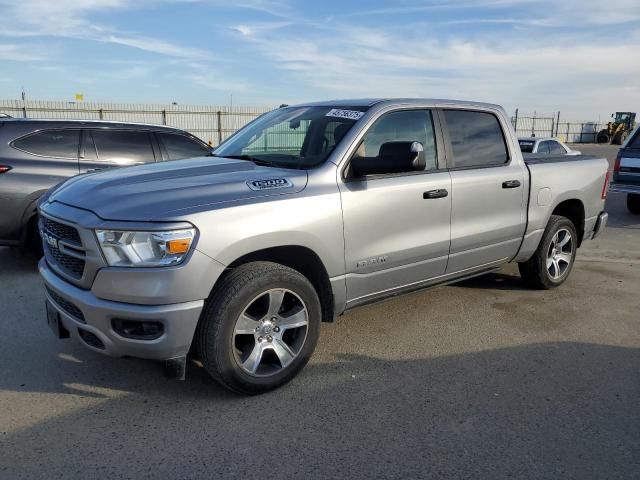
(259, 327)
(633, 202)
(552, 262)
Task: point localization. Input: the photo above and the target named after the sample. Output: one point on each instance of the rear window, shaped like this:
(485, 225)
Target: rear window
(123, 147)
(526, 146)
(50, 143)
(180, 146)
(476, 139)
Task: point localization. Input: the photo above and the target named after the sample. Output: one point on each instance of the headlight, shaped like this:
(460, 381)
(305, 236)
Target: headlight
(145, 249)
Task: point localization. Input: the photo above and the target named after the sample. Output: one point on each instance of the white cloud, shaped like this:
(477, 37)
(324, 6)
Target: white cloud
(571, 72)
(17, 53)
(70, 19)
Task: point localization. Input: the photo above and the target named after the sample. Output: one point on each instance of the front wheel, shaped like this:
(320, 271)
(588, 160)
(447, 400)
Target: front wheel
(259, 328)
(552, 262)
(633, 202)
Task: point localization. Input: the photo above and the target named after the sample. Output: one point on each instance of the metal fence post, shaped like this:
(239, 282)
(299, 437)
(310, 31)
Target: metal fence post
(100, 114)
(557, 123)
(581, 130)
(219, 127)
(533, 125)
(164, 117)
(515, 122)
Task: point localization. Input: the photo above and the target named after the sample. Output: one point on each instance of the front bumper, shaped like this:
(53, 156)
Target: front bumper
(94, 315)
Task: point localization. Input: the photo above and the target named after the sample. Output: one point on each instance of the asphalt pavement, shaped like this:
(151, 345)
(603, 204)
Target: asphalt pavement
(484, 379)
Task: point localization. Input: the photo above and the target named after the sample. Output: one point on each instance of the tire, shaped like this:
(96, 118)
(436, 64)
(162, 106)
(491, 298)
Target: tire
(33, 242)
(633, 203)
(602, 137)
(248, 344)
(546, 270)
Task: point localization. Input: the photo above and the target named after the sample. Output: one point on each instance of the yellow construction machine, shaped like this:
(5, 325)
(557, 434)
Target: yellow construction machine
(617, 130)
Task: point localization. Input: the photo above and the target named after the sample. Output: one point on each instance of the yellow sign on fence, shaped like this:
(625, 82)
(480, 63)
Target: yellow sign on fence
(79, 97)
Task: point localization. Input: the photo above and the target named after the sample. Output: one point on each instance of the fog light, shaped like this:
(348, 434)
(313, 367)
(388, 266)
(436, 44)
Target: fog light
(137, 329)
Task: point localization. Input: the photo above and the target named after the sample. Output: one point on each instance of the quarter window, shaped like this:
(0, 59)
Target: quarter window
(123, 147)
(543, 148)
(403, 126)
(51, 143)
(180, 146)
(557, 149)
(476, 139)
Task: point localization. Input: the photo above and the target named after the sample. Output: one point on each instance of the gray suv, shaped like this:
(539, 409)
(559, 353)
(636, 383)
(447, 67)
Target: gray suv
(38, 154)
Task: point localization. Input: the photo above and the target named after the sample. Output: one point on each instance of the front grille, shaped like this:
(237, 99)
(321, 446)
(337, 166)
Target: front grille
(67, 306)
(61, 231)
(70, 265)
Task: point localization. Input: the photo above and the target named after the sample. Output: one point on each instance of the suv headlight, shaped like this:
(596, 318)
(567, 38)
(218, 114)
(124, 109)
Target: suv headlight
(145, 249)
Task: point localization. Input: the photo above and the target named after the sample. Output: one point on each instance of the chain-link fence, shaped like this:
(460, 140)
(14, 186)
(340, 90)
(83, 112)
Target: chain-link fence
(214, 123)
(551, 125)
(211, 123)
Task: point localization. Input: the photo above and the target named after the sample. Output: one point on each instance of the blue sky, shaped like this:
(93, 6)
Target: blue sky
(578, 56)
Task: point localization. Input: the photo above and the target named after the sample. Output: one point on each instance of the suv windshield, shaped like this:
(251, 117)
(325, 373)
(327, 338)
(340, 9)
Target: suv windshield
(292, 137)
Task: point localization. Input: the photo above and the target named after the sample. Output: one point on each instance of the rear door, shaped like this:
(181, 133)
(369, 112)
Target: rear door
(38, 161)
(488, 217)
(108, 148)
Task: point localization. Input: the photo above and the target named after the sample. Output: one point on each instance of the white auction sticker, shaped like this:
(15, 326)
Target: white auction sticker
(350, 114)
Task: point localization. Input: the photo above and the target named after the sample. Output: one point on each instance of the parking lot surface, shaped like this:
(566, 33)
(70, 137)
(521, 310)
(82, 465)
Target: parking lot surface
(484, 379)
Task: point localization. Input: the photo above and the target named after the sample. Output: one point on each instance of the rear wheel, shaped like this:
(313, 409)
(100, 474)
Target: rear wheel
(552, 262)
(633, 203)
(259, 327)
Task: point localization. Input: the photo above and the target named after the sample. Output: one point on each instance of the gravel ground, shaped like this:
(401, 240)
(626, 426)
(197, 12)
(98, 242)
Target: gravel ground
(484, 379)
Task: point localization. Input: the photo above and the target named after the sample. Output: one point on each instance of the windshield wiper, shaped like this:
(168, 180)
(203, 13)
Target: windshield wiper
(257, 161)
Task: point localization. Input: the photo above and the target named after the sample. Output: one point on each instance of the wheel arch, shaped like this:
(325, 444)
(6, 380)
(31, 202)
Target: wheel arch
(304, 260)
(573, 209)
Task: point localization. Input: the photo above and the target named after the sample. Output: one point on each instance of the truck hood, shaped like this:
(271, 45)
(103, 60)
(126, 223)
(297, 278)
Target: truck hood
(160, 190)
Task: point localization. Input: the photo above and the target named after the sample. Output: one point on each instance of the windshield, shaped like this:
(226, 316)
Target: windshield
(292, 137)
(526, 146)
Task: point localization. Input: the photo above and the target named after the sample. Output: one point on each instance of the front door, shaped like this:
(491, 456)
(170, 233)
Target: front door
(396, 226)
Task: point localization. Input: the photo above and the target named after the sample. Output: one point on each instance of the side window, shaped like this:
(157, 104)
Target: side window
(51, 143)
(404, 126)
(180, 146)
(476, 138)
(123, 147)
(557, 149)
(543, 147)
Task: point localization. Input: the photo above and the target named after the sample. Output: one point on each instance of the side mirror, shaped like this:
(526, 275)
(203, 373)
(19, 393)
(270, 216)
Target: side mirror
(393, 157)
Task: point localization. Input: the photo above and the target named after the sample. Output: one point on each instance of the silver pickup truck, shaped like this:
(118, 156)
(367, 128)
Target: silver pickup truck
(306, 212)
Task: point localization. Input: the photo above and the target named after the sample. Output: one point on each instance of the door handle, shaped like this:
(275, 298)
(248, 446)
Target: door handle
(440, 193)
(511, 184)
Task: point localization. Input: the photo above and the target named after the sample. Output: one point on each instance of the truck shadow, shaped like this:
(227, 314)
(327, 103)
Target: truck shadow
(530, 411)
